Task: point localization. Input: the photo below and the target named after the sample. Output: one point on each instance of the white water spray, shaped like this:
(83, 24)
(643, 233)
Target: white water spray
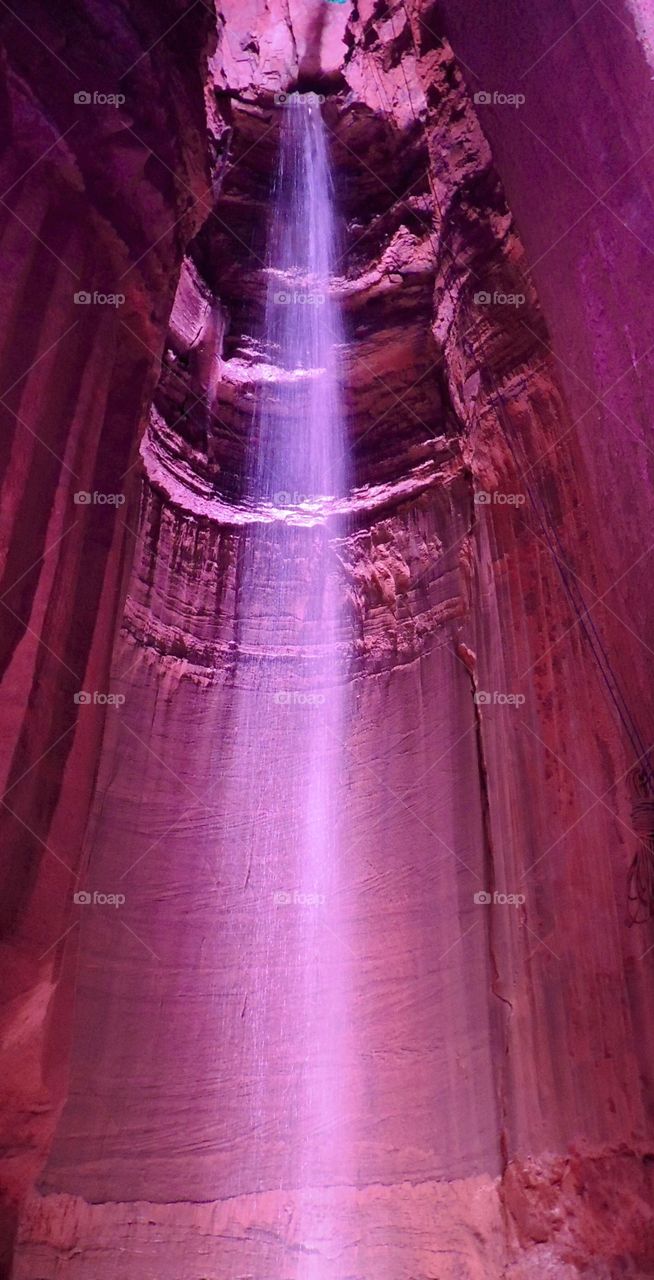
(292, 639)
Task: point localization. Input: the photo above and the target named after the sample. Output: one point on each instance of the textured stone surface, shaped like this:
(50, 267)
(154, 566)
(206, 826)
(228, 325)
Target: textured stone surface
(86, 206)
(590, 466)
(455, 1227)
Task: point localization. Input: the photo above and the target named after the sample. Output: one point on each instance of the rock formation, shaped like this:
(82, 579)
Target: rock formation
(99, 200)
(496, 371)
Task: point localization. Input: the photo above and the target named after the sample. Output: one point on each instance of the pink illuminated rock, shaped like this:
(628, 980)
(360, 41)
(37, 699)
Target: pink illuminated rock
(93, 231)
(495, 1118)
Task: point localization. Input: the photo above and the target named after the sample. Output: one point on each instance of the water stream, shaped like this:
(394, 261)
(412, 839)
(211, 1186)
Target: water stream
(291, 649)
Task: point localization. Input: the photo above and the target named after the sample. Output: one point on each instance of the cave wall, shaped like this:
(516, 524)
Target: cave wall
(525, 1043)
(196, 938)
(581, 199)
(90, 205)
(573, 159)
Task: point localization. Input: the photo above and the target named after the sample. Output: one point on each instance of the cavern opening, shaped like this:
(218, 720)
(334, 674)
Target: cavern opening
(328, 789)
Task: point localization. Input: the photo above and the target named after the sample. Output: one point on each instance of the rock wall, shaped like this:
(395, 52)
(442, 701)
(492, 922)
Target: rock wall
(579, 196)
(500, 1092)
(99, 198)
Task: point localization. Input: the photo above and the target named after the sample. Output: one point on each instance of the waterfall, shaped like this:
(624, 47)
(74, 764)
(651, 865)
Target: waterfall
(291, 644)
(297, 452)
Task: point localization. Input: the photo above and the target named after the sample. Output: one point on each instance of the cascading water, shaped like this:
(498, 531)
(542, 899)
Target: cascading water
(292, 646)
(298, 449)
